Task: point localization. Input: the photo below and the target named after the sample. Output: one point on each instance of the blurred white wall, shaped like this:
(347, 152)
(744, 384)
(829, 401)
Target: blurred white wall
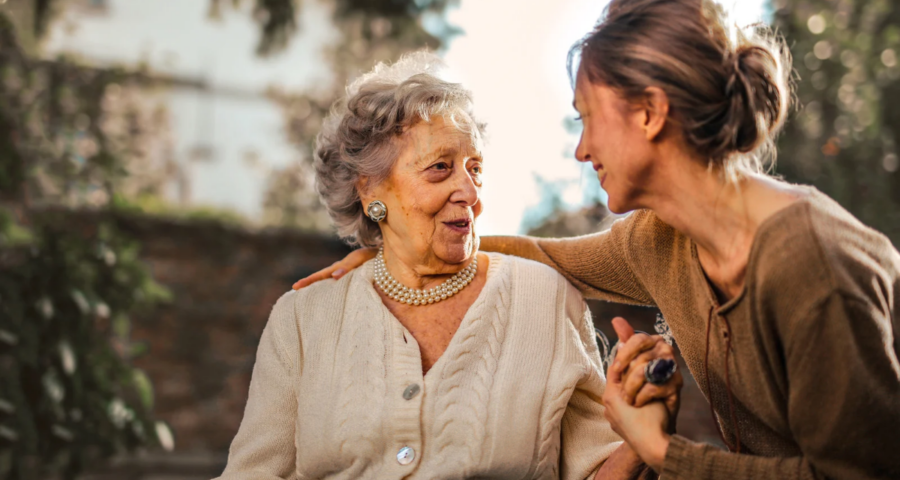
(512, 55)
(229, 137)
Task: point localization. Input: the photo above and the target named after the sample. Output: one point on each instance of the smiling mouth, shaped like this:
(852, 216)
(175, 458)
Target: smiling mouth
(461, 225)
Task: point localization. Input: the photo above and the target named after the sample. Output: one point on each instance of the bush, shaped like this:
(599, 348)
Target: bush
(68, 395)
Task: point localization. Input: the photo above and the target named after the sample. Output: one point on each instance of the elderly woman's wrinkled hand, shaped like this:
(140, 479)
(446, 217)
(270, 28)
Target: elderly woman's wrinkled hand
(641, 413)
(643, 428)
(634, 353)
(339, 268)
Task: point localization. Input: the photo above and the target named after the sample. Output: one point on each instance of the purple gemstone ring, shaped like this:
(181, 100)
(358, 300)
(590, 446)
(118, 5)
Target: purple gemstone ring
(659, 371)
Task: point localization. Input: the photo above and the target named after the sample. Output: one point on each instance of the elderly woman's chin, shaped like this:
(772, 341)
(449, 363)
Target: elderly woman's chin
(453, 248)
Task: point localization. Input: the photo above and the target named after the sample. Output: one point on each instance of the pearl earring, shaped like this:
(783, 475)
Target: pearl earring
(376, 211)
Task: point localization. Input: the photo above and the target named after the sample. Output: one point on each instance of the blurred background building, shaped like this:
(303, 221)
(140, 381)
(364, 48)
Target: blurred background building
(156, 193)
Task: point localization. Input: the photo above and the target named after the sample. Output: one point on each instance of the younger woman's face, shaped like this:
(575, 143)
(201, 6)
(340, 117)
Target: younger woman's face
(614, 141)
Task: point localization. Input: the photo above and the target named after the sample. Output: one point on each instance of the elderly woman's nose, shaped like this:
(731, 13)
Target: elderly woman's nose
(466, 190)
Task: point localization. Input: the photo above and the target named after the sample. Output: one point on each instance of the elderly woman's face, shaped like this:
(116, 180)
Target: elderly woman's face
(432, 196)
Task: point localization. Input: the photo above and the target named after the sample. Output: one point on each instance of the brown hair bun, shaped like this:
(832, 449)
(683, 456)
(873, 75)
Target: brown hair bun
(728, 87)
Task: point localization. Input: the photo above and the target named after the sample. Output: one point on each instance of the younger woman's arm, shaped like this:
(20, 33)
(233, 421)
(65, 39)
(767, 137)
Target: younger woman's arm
(597, 264)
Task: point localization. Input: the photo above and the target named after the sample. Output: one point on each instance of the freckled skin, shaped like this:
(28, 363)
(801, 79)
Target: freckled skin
(433, 326)
(436, 179)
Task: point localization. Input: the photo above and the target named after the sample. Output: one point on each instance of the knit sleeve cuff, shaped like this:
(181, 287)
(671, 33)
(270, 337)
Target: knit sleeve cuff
(677, 462)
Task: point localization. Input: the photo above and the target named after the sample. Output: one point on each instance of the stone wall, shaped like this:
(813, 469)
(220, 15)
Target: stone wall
(201, 346)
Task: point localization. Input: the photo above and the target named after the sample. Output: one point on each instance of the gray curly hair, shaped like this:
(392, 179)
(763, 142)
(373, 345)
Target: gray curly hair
(358, 137)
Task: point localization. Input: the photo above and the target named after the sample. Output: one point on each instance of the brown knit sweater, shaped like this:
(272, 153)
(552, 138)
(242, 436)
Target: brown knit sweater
(813, 359)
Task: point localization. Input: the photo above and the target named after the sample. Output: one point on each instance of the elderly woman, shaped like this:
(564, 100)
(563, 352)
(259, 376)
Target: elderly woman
(434, 360)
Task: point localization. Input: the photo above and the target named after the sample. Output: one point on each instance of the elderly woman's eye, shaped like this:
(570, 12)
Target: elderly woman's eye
(441, 166)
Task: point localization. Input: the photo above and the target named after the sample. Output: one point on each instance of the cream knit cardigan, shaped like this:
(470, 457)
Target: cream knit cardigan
(515, 395)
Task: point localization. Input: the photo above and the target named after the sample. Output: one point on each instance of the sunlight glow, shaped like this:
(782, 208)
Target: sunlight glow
(513, 57)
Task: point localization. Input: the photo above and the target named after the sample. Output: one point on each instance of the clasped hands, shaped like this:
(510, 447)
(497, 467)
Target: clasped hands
(641, 413)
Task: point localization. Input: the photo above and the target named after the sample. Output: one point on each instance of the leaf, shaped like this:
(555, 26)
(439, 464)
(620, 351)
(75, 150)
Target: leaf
(144, 388)
(121, 325)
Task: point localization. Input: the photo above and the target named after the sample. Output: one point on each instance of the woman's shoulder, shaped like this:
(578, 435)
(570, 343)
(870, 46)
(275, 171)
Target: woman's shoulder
(312, 305)
(855, 252)
(815, 228)
(535, 278)
(326, 291)
(837, 230)
(522, 269)
(817, 239)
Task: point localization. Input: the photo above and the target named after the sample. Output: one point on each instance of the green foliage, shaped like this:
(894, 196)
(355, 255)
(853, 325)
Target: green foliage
(52, 147)
(67, 392)
(843, 138)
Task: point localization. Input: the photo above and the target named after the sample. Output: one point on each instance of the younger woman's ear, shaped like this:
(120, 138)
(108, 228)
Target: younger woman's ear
(656, 112)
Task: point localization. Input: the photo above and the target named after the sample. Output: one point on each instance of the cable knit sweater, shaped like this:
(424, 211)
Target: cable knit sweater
(337, 390)
(809, 347)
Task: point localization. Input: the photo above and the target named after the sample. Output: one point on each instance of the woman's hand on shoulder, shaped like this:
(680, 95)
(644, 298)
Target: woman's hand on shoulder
(339, 268)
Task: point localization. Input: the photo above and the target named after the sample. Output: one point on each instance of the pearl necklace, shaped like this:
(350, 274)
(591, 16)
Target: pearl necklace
(398, 292)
